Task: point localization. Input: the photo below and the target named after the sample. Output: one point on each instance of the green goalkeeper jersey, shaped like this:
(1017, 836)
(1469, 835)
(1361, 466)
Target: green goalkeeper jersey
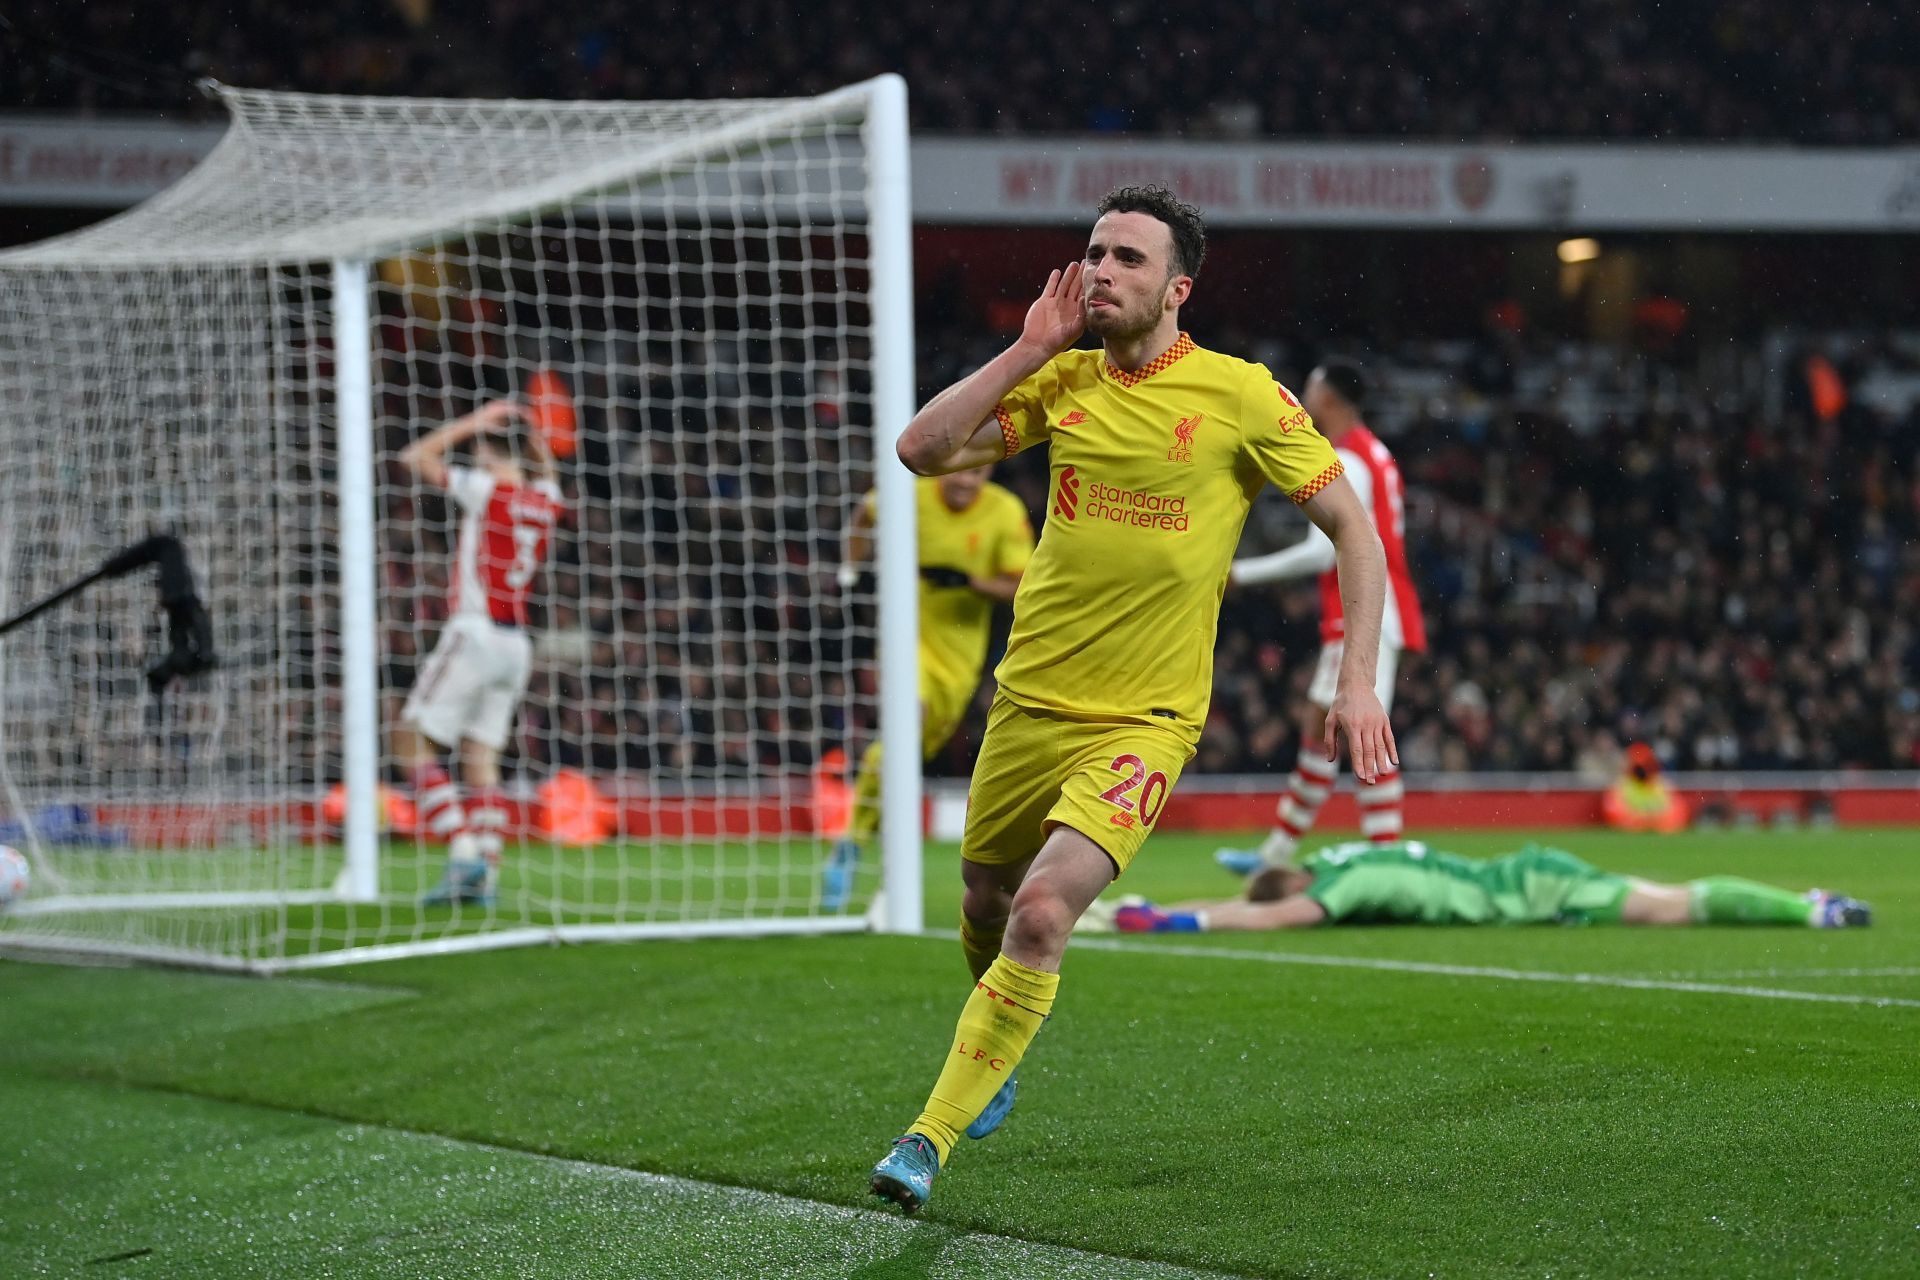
(1362, 883)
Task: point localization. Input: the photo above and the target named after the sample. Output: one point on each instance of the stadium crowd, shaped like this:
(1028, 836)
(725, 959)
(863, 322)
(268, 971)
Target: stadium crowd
(1725, 69)
(1726, 574)
(1611, 549)
(1732, 591)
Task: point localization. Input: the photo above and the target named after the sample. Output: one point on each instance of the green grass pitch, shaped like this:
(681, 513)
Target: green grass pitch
(1338, 1103)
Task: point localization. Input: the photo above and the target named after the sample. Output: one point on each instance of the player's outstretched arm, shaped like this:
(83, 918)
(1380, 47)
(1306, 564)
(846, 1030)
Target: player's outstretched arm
(956, 429)
(1312, 554)
(543, 459)
(427, 456)
(1362, 566)
(1295, 912)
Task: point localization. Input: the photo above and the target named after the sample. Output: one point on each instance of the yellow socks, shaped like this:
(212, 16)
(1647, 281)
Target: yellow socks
(981, 944)
(865, 819)
(1008, 1005)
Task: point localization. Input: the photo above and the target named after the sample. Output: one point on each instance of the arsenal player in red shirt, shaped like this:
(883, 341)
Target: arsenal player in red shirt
(1334, 394)
(467, 693)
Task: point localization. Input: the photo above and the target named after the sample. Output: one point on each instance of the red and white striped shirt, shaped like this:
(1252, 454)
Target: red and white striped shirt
(1376, 479)
(1377, 476)
(504, 534)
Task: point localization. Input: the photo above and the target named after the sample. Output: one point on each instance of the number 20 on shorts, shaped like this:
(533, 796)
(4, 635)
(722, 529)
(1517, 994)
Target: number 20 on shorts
(1151, 786)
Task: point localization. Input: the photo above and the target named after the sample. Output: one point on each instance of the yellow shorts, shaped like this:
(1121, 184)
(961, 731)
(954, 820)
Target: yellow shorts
(943, 705)
(1108, 780)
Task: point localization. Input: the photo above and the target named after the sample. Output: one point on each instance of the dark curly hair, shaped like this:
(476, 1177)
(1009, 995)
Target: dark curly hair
(1182, 219)
(1346, 377)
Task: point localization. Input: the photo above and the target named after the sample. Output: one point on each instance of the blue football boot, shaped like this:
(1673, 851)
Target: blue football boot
(467, 881)
(906, 1175)
(989, 1120)
(1242, 862)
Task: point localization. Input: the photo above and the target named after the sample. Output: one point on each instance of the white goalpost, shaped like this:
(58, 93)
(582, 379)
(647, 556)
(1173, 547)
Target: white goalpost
(711, 299)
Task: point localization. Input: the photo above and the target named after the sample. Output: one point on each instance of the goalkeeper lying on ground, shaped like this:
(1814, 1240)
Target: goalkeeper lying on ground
(1363, 883)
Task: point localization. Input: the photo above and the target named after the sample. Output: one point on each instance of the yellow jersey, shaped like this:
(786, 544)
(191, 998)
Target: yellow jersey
(1153, 473)
(992, 536)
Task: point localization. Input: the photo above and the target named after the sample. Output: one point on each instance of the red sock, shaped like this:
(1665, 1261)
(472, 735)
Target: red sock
(487, 820)
(1307, 789)
(437, 799)
(1381, 819)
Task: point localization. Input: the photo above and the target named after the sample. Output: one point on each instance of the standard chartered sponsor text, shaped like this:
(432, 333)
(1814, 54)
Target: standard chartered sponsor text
(1137, 507)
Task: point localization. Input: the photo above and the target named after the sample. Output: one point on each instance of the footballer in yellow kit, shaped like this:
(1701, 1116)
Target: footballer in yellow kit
(1157, 449)
(974, 542)
(1108, 671)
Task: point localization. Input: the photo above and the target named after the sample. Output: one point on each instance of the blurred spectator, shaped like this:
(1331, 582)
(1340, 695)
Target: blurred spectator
(1619, 549)
(1758, 69)
(1640, 799)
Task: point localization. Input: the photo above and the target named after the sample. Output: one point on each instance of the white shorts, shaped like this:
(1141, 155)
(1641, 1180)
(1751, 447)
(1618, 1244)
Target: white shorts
(471, 684)
(1326, 674)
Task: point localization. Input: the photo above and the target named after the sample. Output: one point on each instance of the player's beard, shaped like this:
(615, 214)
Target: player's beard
(1121, 324)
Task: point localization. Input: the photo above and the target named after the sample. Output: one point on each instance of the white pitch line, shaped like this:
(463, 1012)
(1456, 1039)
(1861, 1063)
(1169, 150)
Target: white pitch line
(1502, 975)
(869, 1232)
(721, 1229)
(1890, 971)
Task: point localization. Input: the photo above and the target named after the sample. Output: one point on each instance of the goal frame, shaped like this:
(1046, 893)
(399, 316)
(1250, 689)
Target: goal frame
(897, 905)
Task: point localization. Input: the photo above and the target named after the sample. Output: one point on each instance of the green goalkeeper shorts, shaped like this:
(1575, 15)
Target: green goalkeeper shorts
(1544, 886)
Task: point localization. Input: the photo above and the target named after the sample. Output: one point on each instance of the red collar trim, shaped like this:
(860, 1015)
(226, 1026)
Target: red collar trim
(1182, 346)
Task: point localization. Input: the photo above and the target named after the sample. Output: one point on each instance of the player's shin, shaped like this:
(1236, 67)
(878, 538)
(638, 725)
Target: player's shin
(1008, 1006)
(864, 822)
(437, 800)
(1731, 900)
(1381, 802)
(487, 821)
(1307, 790)
(981, 944)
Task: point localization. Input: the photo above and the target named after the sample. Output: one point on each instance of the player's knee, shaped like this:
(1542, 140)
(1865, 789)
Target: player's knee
(986, 905)
(1041, 919)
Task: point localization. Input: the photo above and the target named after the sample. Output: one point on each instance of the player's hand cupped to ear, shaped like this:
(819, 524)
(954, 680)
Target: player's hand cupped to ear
(1059, 315)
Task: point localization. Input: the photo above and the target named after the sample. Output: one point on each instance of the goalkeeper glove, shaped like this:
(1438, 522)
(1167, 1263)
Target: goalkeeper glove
(941, 576)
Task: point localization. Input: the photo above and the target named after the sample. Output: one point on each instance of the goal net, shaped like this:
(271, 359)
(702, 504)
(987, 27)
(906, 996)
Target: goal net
(710, 298)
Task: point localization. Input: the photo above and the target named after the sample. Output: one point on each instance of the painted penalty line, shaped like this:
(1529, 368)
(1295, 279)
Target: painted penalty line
(1144, 947)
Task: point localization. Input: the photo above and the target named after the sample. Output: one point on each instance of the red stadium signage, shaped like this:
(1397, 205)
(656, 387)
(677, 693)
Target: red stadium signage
(1444, 802)
(1057, 181)
(1381, 184)
(89, 164)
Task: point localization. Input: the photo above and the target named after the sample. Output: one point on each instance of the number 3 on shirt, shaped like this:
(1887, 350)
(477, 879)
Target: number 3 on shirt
(526, 554)
(1152, 798)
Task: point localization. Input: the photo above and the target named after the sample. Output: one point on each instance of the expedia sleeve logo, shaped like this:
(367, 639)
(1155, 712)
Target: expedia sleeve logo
(1293, 415)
